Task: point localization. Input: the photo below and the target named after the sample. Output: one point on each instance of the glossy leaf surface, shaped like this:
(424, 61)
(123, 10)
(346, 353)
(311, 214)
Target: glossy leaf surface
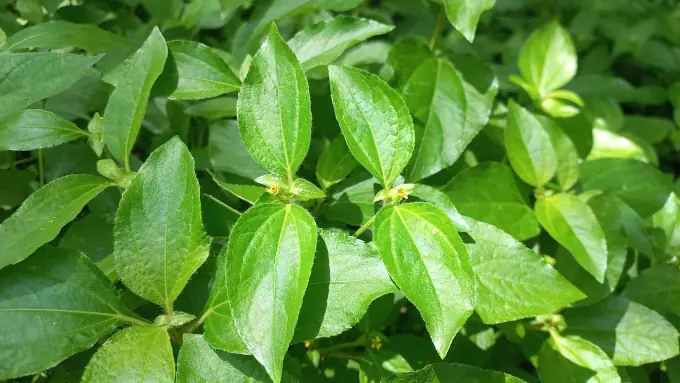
(274, 111)
(68, 302)
(127, 104)
(428, 262)
(159, 237)
(44, 213)
(374, 120)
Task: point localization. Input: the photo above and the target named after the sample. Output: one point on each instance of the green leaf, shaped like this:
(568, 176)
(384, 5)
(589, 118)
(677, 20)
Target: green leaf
(34, 129)
(530, 149)
(657, 288)
(608, 144)
(464, 14)
(573, 225)
(640, 185)
(406, 56)
(513, 280)
(630, 333)
(347, 276)
(652, 130)
(452, 112)
(571, 359)
(270, 258)
(374, 120)
(159, 237)
(668, 221)
(353, 202)
(197, 363)
(240, 188)
(93, 235)
(274, 111)
(616, 221)
(325, 41)
(335, 163)
(96, 138)
(213, 109)
(31, 77)
(490, 193)
(568, 161)
(135, 354)
(439, 199)
(428, 262)
(202, 72)
(548, 58)
(44, 213)
(127, 104)
(445, 372)
(228, 154)
(62, 34)
(53, 305)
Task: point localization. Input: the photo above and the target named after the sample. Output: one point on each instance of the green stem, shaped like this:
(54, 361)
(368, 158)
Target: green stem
(135, 321)
(365, 227)
(41, 168)
(361, 341)
(196, 324)
(436, 34)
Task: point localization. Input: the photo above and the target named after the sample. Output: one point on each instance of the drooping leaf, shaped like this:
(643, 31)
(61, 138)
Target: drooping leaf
(464, 14)
(513, 279)
(445, 372)
(548, 58)
(325, 41)
(657, 288)
(347, 276)
(31, 77)
(59, 34)
(270, 258)
(627, 331)
(452, 112)
(133, 80)
(428, 262)
(374, 121)
(608, 144)
(530, 149)
(44, 213)
(159, 237)
(573, 224)
(571, 359)
(34, 129)
(489, 193)
(640, 185)
(274, 111)
(53, 305)
(197, 363)
(335, 163)
(201, 72)
(135, 354)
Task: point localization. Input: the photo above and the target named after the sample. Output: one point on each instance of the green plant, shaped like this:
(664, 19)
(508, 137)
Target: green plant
(339, 190)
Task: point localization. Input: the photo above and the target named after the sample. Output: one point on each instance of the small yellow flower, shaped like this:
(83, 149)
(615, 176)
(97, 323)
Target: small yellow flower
(273, 190)
(376, 343)
(403, 194)
(308, 344)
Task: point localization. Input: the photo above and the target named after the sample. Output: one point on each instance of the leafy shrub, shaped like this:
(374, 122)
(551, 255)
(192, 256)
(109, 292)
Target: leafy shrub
(339, 190)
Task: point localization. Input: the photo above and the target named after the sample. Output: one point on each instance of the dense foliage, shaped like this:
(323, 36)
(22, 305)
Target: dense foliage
(339, 191)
